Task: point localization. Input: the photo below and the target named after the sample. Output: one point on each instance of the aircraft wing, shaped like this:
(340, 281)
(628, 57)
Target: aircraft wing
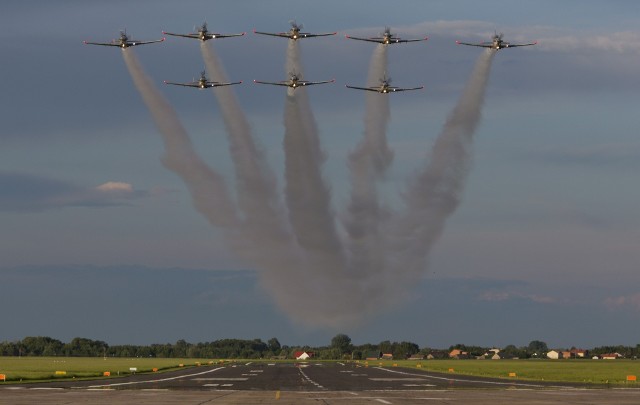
(213, 36)
(516, 45)
(306, 83)
(134, 43)
(396, 89)
(309, 35)
(100, 43)
(193, 84)
(286, 84)
(218, 84)
(364, 88)
(483, 45)
(207, 85)
(409, 40)
(378, 40)
(194, 36)
(279, 34)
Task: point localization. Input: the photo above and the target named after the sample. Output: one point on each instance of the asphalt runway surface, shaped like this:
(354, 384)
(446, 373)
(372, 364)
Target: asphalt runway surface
(299, 383)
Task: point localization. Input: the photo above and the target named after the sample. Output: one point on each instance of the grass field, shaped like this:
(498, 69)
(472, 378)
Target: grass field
(45, 368)
(585, 370)
(590, 371)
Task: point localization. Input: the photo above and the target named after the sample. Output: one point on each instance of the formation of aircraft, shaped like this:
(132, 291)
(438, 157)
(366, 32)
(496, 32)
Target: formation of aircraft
(294, 82)
(496, 43)
(385, 87)
(202, 83)
(387, 38)
(203, 34)
(294, 33)
(123, 41)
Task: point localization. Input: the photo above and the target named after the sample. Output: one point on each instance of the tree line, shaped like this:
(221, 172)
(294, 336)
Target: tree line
(340, 347)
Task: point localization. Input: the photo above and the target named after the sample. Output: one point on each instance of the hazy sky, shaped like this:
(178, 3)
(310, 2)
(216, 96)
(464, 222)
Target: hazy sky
(98, 239)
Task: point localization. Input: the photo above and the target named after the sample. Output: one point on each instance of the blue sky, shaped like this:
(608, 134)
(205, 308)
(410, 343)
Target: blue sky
(547, 233)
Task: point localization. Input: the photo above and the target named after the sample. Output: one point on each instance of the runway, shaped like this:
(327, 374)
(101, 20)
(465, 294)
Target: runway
(295, 383)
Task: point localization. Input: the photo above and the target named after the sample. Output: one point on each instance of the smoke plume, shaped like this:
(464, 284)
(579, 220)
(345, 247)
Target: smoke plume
(348, 276)
(436, 191)
(207, 188)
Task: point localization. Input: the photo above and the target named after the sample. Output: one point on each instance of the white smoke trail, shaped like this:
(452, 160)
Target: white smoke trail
(435, 194)
(207, 188)
(307, 195)
(369, 160)
(270, 244)
(264, 218)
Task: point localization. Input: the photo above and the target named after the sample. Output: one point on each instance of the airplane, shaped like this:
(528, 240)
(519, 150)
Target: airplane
(202, 83)
(123, 42)
(294, 33)
(294, 82)
(496, 43)
(203, 34)
(384, 87)
(387, 38)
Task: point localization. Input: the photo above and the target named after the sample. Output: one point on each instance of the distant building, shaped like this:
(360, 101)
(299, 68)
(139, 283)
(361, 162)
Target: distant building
(303, 355)
(554, 354)
(416, 357)
(387, 356)
(610, 356)
(458, 354)
(579, 353)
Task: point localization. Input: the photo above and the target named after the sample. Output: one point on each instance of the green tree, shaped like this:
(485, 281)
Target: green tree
(342, 343)
(274, 345)
(537, 347)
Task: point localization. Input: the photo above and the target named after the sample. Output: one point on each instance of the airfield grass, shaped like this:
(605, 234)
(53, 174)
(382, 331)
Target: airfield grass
(31, 369)
(579, 370)
(27, 369)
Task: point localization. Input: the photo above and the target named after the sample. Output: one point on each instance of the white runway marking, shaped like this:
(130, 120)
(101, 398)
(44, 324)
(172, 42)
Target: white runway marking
(462, 380)
(383, 401)
(220, 379)
(159, 380)
(397, 379)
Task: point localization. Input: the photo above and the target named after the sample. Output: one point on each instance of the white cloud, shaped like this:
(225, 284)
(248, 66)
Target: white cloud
(496, 296)
(623, 302)
(116, 186)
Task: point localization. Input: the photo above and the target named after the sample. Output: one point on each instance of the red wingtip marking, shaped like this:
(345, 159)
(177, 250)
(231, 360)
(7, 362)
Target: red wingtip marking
(165, 82)
(254, 30)
(84, 42)
(346, 36)
(535, 43)
(164, 33)
(333, 80)
(164, 38)
(240, 81)
(243, 33)
(458, 42)
(255, 81)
